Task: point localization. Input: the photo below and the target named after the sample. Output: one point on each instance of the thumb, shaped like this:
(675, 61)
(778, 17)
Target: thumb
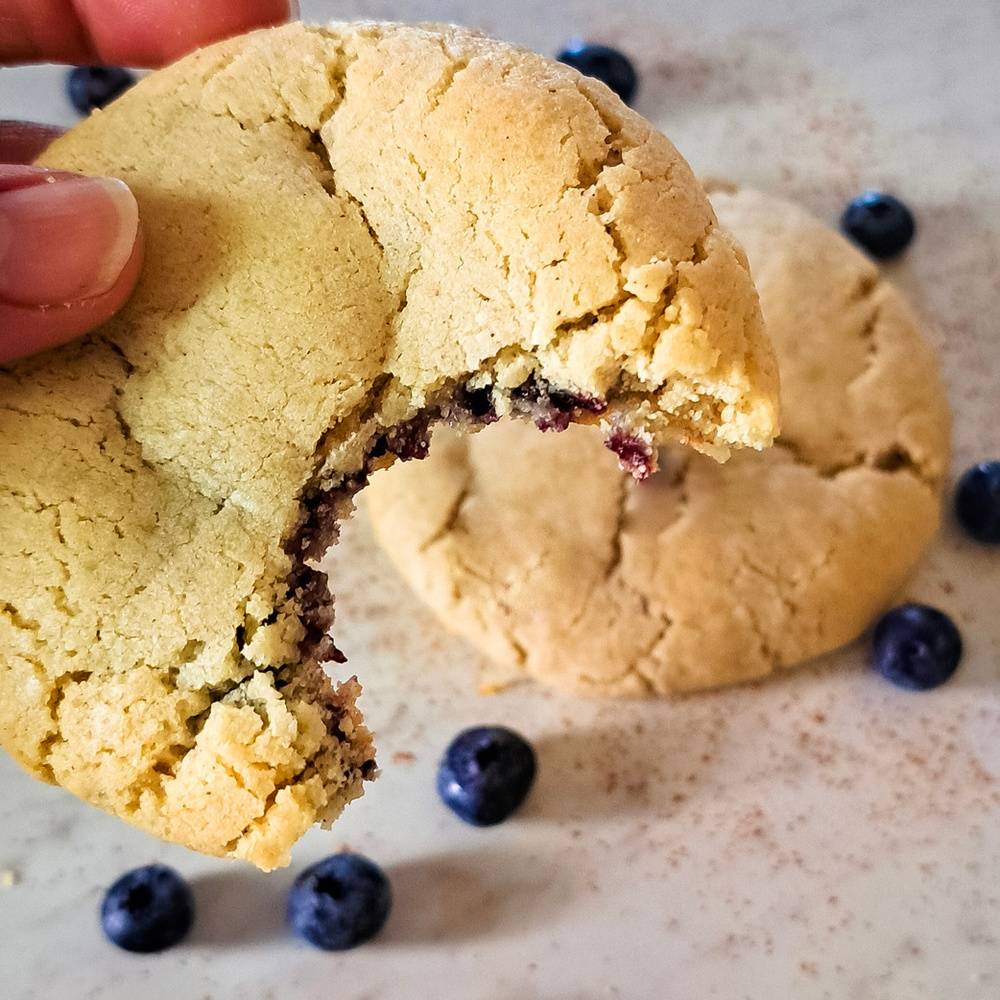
(70, 253)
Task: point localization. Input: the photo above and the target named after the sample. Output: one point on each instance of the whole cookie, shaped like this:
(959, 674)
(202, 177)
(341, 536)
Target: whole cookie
(561, 568)
(350, 233)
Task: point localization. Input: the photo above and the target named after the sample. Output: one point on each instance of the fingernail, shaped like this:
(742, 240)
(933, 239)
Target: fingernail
(65, 239)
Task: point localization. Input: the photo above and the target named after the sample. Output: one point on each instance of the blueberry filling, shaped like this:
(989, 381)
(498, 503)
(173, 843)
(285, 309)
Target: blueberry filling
(552, 409)
(478, 403)
(407, 441)
(316, 612)
(634, 454)
(323, 508)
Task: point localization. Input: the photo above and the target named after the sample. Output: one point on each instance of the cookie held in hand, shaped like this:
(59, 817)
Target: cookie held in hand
(351, 233)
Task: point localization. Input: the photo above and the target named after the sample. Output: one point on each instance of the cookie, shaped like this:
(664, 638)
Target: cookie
(350, 233)
(539, 550)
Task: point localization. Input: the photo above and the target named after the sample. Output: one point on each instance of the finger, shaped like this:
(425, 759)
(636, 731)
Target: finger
(70, 254)
(133, 32)
(22, 142)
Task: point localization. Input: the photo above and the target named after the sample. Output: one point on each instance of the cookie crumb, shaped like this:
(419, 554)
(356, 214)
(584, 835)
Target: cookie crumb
(8, 878)
(403, 757)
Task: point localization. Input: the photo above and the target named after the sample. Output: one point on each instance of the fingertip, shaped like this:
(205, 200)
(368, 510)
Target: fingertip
(64, 238)
(26, 330)
(155, 32)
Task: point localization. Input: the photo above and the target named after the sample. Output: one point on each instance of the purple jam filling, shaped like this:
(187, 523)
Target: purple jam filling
(323, 508)
(478, 403)
(409, 440)
(316, 611)
(552, 409)
(634, 455)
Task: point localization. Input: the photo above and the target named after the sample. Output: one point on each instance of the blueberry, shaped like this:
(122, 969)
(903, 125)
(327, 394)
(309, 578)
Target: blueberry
(879, 223)
(603, 63)
(147, 909)
(485, 774)
(977, 502)
(917, 647)
(339, 902)
(92, 87)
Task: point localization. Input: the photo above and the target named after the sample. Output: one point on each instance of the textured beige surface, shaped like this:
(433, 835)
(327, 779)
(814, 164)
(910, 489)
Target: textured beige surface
(541, 551)
(343, 227)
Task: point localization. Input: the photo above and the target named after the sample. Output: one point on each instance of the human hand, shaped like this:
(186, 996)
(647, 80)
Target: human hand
(71, 246)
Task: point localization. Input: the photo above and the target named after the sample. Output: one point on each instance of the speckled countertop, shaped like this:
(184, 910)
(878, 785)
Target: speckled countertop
(822, 837)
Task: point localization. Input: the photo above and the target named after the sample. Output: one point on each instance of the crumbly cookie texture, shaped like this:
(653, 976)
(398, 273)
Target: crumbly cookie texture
(559, 567)
(350, 232)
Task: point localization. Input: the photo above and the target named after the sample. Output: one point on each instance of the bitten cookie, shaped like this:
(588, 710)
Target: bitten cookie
(350, 233)
(561, 568)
